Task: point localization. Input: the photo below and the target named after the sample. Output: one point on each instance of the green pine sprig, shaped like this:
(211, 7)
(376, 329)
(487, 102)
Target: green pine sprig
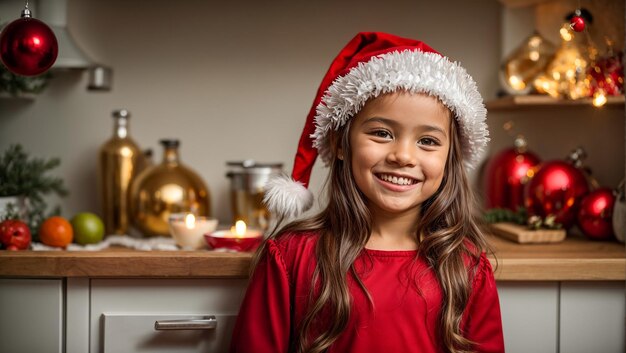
(17, 84)
(521, 217)
(22, 175)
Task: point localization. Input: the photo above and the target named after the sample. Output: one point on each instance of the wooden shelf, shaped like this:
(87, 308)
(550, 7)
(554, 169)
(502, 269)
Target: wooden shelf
(522, 3)
(574, 259)
(542, 101)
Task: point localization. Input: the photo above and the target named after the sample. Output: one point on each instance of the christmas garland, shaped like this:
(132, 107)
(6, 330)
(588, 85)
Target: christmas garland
(521, 217)
(16, 85)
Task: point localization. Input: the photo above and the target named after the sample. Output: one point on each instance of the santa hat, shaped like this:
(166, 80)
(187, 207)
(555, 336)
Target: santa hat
(371, 64)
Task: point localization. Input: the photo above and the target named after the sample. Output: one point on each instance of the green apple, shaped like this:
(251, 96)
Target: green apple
(88, 228)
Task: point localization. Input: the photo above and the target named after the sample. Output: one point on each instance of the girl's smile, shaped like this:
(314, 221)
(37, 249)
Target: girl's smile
(399, 144)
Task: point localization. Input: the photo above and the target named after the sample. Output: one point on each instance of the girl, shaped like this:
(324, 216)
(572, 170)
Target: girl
(395, 262)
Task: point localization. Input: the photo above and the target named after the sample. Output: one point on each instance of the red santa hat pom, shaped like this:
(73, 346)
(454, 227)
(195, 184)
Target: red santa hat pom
(371, 64)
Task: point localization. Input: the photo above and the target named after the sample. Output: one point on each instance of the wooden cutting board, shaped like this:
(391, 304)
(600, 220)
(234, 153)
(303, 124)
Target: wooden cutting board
(523, 235)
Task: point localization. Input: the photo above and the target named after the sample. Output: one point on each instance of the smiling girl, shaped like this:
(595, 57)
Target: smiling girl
(396, 261)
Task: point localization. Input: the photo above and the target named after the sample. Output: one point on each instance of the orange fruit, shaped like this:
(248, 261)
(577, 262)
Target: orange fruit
(56, 231)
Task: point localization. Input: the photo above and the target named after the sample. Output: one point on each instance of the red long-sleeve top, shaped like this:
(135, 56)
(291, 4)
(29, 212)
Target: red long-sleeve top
(403, 318)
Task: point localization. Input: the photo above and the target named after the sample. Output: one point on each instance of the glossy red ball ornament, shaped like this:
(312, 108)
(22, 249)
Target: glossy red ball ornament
(556, 189)
(595, 214)
(577, 23)
(28, 46)
(506, 175)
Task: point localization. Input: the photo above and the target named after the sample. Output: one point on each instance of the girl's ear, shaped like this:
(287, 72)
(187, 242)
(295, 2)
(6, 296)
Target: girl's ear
(335, 145)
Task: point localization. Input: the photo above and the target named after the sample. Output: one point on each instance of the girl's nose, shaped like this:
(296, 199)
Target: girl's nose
(403, 154)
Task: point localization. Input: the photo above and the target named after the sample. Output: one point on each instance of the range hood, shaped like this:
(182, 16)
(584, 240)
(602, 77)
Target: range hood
(54, 14)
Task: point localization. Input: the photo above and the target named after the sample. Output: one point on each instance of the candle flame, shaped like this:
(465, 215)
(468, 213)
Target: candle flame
(190, 221)
(239, 229)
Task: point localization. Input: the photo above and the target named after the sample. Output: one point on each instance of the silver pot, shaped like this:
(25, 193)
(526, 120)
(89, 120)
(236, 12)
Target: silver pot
(247, 188)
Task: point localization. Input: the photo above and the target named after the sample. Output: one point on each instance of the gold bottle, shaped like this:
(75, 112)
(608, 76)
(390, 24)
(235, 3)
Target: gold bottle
(119, 157)
(166, 189)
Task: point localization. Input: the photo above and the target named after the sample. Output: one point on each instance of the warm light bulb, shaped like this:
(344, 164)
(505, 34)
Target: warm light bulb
(533, 55)
(190, 221)
(599, 99)
(566, 33)
(517, 83)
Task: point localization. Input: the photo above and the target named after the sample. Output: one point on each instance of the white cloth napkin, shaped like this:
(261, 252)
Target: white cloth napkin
(154, 243)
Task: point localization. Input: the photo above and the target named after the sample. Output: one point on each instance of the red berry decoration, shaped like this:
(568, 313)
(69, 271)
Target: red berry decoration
(577, 23)
(28, 46)
(556, 189)
(595, 214)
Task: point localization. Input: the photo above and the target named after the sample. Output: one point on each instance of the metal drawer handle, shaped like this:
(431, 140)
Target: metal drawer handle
(206, 323)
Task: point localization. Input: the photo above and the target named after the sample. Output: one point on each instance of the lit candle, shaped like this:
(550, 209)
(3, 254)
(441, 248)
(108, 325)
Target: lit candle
(188, 232)
(238, 238)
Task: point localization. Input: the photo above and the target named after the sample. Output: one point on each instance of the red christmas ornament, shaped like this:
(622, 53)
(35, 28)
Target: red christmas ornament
(577, 23)
(556, 189)
(28, 46)
(595, 214)
(608, 75)
(507, 174)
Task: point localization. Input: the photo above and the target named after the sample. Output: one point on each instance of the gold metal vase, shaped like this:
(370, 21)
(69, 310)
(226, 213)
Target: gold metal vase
(118, 160)
(166, 189)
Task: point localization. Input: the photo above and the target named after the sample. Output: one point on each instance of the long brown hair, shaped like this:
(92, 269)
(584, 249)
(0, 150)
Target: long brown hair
(450, 232)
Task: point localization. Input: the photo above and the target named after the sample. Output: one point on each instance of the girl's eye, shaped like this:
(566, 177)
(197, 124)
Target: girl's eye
(381, 133)
(427, 141)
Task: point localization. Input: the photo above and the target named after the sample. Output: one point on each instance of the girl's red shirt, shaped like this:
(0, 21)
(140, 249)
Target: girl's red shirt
(403, 317)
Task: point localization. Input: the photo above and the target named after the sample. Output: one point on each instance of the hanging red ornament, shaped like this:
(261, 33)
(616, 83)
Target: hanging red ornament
(577, 23)
(595, 214)
(556, 189)
(507, 174)
(28, 46)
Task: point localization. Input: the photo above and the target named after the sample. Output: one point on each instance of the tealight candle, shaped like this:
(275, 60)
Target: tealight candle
(237, 238)
(188, 231)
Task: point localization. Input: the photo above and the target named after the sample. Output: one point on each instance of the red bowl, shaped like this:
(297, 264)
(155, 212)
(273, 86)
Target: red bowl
(224, 240)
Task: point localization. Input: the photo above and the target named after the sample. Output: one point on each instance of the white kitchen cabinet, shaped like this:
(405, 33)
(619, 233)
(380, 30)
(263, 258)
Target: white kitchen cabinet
(568, 317)
(118, 315)
(31, 315)
(530, 316)
(592, 317)
(123, 314)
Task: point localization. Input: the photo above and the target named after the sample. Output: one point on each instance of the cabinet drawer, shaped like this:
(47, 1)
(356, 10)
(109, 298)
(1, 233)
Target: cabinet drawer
(137, 333)
(123, 312)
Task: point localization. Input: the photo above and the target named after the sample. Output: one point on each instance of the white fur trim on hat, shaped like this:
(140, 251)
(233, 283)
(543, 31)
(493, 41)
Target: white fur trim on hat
(415, 72)
(287, 197)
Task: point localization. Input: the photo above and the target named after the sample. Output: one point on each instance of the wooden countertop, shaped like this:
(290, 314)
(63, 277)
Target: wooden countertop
(574, 259)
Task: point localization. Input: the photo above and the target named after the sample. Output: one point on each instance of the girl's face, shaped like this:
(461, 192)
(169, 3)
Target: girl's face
(399, 145)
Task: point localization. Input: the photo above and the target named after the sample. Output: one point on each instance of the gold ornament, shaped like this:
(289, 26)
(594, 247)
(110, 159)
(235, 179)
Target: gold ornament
(525, 63)
(566, 75)
(167, 189)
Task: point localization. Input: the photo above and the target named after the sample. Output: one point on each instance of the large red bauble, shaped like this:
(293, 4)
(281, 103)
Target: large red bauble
(14, 235)
(595, 214)
(556, 189)
(28, 47)
(506, 174)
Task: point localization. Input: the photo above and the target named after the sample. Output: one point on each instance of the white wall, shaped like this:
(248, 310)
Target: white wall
(231, 80)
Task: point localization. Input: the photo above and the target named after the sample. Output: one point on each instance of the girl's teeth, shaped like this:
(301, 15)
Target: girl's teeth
(396, 180)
